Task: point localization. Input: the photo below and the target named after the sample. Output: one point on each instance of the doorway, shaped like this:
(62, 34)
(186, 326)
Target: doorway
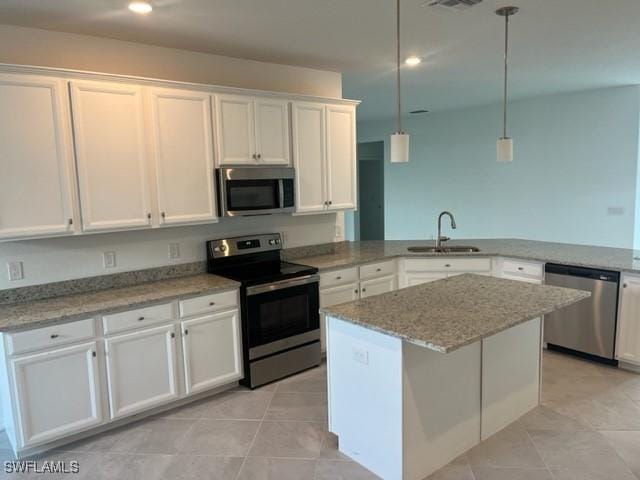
(369, 219)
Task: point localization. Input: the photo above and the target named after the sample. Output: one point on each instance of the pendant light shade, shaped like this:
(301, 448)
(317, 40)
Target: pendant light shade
(399, 147)
(505, 143)
(505, 150)
(399, 140)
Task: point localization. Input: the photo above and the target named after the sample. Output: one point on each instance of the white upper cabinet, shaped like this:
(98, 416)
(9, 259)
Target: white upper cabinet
(309, 156)
(252, 130)
(111, 155)
(183, 155)
(341, 156)
(235, 130)
(36, 159)
(272, 131)
(324, 154)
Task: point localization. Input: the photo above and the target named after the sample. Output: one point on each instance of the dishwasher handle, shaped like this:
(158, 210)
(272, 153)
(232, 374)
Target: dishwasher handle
(574, 271)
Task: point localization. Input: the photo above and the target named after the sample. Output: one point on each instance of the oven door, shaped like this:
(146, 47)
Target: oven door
(282, 315)
(255, 191)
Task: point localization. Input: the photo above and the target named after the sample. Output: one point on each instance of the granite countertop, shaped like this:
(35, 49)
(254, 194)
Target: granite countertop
(344, 254)
(60, 309)
(448, 314)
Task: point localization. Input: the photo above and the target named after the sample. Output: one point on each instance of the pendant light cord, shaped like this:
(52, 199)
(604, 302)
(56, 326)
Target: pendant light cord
(398, 64)
(506, 56)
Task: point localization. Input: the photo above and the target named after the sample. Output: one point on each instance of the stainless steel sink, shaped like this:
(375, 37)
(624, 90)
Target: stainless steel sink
(451, 249)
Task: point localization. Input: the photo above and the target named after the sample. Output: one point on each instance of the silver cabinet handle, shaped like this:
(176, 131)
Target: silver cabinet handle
(140, 319)
(162, 214)
(211, 304)
(447, 265)
(259, 156)
(55, 335)
(149, 216)
(71, 221)
(255, 157)
(378, 269)
(186, 331)
(173, 335)
(338, 278)
(624, 285)
(355, 291)
(521, 268)
(364, 289)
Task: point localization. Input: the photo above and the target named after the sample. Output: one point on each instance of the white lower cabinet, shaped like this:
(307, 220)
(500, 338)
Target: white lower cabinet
(628, 344)
(411, 279)
(377, 286)
(56, 393)
(415, 271)
(141, 370)
(335, 296)
(212, 350)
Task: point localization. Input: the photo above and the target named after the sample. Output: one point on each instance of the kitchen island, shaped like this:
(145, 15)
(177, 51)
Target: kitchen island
(420, 375)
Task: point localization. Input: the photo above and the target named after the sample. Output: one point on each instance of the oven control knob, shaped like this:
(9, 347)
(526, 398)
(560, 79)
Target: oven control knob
(274, 241)
(223, 248)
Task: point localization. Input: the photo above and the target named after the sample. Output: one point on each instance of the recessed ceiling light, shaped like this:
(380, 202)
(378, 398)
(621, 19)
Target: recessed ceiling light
(140, 7)
(412, 61)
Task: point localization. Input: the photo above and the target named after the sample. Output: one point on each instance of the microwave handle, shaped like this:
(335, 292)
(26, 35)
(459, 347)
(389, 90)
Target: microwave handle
(281, 192)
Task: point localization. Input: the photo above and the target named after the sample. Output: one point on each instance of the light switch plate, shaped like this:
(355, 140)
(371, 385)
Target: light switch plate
(109, 259)
(174, 251)
(16, 272)
(360, 355)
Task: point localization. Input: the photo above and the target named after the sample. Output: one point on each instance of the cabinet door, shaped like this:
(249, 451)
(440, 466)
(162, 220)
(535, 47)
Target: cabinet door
(36, 160)
(212, 351)
(57, 393)
(335, 296)
(272, 131)
(377, 286)
(629, 330)
(411, 279)
(309, 156)
(183, 153)
(111, 155)
(341, 156)
(235, 130)
(141, 370)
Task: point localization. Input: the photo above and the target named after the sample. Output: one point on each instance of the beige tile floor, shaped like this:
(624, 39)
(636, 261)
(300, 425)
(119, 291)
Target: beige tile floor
(588, 428)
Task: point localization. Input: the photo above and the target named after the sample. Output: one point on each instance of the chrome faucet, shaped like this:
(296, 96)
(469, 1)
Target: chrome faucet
(440, 238)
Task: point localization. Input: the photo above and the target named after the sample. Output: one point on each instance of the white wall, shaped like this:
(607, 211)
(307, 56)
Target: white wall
(28, 46)
(48, 260)
(575, 155)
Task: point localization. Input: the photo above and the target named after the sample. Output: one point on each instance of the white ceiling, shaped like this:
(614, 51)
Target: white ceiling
(557, 45)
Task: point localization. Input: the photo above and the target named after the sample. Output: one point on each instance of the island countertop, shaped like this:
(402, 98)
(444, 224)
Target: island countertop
(450, 313)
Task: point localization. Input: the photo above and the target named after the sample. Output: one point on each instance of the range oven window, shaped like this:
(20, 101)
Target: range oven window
(282, 313)
(252, 195)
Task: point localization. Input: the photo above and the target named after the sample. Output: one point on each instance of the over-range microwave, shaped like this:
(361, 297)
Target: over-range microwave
(245, 191)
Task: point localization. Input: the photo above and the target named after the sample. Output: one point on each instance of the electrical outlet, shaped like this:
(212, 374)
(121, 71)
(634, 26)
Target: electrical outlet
(360, 355)
(174, 251)
(109, 259)
(16, 271)
(615, 210)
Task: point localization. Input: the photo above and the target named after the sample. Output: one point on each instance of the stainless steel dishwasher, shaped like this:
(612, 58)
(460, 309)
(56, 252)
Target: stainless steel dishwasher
(588, 327)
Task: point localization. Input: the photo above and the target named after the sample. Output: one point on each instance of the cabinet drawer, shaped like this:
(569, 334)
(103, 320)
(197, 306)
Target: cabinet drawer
(516, 268)
(208, 303)
(47, 337)
(141, 317)
(470, 265)
(338, 277)
(380, 269)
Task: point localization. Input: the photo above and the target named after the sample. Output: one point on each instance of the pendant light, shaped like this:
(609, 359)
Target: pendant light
(505, 143)
(399, 139)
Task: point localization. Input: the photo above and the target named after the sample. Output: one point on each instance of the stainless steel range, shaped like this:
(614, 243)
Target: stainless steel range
(279, 306)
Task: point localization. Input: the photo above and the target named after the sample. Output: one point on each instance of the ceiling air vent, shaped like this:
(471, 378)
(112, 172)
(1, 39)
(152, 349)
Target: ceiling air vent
(452, 4)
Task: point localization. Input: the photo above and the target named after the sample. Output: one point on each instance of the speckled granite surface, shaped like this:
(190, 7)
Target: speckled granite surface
(448, 314)
(344, 254)
(67, 308)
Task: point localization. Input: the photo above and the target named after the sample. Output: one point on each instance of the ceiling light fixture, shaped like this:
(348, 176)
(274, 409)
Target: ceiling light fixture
(140, 7)
(505, 143)
(412, 61)
(399, 139)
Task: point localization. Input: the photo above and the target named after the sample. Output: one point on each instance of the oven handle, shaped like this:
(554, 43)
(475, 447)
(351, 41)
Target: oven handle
(293, 282)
